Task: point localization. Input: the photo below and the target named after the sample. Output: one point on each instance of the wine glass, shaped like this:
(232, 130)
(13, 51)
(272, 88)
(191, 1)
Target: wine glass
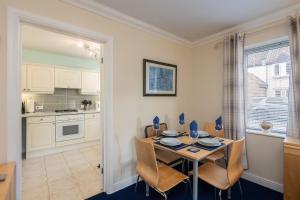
(156, 127)
(194, 135)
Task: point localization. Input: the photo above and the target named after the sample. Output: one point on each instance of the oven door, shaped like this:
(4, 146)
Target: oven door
(69, 130)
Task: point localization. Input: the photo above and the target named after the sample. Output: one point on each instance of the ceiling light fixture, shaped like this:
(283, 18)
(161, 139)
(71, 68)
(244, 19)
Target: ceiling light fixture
(80, 44)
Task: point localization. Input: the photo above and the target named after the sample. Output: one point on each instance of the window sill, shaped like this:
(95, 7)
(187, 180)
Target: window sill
(277, 135)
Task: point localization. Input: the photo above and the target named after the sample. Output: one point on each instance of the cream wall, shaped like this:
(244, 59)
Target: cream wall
(200, 78)
(132, 111)
(264, 152)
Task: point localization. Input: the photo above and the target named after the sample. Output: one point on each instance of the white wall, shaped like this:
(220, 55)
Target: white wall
(264, 152)
(132, 111)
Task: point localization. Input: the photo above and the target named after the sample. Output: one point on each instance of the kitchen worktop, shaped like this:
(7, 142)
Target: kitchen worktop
(40, 114)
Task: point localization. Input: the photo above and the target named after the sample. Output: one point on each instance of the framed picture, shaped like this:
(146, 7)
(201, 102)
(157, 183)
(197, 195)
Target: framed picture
(159, 79)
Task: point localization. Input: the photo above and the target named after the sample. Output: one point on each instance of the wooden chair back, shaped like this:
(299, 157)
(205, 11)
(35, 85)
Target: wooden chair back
(150, 132)
(146, 165)
(235, 165)
(210, 128)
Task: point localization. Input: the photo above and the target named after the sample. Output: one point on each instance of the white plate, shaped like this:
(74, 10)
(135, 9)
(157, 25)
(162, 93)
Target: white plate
(210, 142)
(170, 133)
(202, 134)
(170, 141)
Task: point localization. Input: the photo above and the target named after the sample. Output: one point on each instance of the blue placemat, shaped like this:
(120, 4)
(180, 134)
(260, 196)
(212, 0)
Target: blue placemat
(178, 147)
(206, 147)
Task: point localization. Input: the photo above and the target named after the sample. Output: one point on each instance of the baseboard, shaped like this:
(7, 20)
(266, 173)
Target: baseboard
(263, 181)
(124, 183)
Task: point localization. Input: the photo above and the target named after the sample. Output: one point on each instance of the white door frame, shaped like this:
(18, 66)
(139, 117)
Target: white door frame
(14, 20)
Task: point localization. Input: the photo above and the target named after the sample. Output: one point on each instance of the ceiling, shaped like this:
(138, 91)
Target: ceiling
(196, 19)
(42, 39)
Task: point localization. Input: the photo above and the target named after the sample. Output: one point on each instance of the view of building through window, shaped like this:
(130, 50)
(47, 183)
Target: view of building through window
(268, 70)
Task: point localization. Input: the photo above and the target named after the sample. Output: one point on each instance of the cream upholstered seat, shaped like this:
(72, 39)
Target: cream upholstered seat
(159, 176)
(225, 178)
(210, 128)
(165, 157)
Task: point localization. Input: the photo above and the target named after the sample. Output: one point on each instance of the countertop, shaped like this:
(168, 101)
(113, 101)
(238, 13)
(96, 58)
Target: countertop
(40, 114)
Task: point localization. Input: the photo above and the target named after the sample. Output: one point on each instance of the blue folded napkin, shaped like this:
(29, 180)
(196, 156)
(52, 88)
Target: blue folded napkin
(156, 123)
(194, 129)
(218, 123)
(181, 119)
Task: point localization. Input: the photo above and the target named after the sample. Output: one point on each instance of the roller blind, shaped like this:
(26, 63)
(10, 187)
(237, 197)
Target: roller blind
(267, 86)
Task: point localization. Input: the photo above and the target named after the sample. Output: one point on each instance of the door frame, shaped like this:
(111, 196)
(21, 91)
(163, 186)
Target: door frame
(15, 18)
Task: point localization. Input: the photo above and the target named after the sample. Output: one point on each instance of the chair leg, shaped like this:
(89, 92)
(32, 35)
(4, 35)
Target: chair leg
(188, 187)
(136, 184)
(182, 165)
(241, 189)
(164, 195)
(220, 195)
(147, 190)
(229, 193)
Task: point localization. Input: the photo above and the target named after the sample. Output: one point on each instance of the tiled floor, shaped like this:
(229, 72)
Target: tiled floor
(71, 175)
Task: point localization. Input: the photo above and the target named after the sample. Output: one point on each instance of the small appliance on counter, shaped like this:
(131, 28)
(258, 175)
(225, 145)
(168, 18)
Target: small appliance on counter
(86, 104)
(97, 105)
(29, 105)
(23, 107)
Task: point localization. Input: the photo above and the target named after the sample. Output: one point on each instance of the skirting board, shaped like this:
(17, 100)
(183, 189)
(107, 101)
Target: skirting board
(263, 181)
(248, 176)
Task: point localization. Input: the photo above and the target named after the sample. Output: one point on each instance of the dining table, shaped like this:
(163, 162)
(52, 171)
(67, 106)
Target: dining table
(185, 153)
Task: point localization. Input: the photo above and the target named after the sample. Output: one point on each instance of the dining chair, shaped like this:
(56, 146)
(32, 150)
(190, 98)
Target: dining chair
(159, 176)
(222, 178)
(165, 157)
(210, 128)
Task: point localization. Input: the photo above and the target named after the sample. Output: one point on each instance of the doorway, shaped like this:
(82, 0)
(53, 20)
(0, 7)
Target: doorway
(62, 146)
(14, 60)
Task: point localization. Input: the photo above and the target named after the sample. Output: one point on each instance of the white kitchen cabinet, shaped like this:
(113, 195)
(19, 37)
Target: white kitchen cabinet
(67, 78)
(40, 133)
(92, 126)
(90, 83)
(40, 79)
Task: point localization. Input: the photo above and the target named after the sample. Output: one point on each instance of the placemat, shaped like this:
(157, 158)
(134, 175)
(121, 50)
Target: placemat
(178, 147)
(206, 147)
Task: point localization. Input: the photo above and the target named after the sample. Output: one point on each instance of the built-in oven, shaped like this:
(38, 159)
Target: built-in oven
(69, 127)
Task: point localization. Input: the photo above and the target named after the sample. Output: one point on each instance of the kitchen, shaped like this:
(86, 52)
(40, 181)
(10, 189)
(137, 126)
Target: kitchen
(61, 123)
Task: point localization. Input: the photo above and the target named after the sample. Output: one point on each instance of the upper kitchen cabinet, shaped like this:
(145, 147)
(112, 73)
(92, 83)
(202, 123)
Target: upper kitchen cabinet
(67, 78)
(90, 83)
(39, 79)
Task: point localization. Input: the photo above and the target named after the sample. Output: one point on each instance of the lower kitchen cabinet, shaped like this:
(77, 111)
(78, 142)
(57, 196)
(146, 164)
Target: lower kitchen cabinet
(40, 133)
(92, 126)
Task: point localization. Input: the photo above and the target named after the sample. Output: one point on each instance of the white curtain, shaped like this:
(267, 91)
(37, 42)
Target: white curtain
(294, 90)
(234, 101)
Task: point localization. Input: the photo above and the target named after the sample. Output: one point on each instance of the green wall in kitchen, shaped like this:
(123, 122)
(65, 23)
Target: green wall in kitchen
(49, 58)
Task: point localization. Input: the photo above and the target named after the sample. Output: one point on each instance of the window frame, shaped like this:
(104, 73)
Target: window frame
(257, 49)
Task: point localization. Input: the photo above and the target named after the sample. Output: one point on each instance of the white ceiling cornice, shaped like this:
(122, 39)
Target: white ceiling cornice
(110, 13)
(260, 23)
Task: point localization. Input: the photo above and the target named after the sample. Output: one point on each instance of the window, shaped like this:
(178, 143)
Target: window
(267, 93)
(276, 70)
(277, 93)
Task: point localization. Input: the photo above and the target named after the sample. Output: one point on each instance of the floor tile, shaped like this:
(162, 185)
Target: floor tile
(71, 175)
(37, 193)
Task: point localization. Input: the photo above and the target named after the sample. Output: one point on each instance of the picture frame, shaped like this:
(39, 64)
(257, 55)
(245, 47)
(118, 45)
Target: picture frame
(159, 79)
